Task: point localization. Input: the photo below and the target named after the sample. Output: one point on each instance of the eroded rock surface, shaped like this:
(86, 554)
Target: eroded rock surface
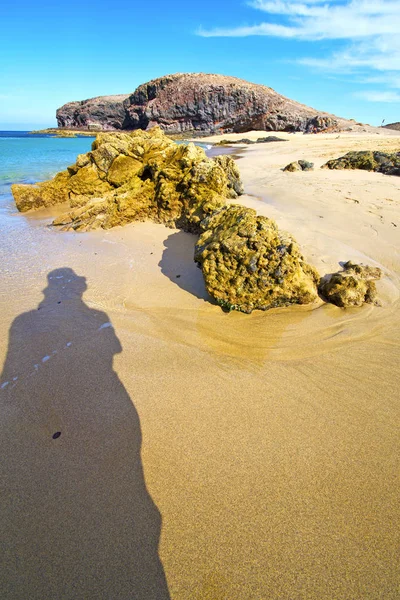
(136, 176)
(197, 102)
(353, 286)
(381, 162)
(248, 264)
(100, 113)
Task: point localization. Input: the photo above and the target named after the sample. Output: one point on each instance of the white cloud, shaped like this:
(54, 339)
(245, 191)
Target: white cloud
(370, 28)
(318, 20)
(379, 96)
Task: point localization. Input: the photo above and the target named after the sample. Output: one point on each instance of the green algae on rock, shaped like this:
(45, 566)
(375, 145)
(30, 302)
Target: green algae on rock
(136, 176)
(353, 286)
(248, 264)
(367, 160)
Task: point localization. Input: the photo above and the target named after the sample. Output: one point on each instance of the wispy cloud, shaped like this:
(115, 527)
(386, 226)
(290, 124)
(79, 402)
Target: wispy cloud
(378, 96)
(316, 20)
(371, 28)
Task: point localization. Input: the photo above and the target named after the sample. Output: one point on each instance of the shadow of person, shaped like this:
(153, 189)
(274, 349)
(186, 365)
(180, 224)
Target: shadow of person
(76, 518)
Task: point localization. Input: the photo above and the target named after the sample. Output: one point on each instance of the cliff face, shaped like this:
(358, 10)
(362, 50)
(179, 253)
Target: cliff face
(196, 102)
(101, 113)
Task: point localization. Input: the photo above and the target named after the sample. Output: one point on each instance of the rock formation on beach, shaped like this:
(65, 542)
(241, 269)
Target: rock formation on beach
(248, 264)
(135, 176)
(197, 103)
(381, 162)
(264, 140)
(299, 165)
(353, 286)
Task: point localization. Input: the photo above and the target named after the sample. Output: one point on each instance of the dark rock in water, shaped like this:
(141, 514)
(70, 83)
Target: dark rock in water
(353, 286)
(136, 176)
(196, 102)
(248, 264)
(367, 160)
(299, 165)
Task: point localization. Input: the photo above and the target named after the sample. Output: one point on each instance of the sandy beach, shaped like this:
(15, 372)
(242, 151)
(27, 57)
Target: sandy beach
(259, 453)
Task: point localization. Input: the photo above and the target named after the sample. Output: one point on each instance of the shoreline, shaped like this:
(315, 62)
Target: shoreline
(269, 440)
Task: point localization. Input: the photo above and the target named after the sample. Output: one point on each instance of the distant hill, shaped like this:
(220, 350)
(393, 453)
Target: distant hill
(197, 103)
(395, 126)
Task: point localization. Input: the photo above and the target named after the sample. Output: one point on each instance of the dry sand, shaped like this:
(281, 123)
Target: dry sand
(269, 442)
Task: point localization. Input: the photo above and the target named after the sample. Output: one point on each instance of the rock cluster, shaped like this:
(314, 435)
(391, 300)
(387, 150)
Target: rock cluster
(197, 103)
(264, 140)
(135, 176)
(248, 264)
(381, 162)
(353, 286)
(299, 165)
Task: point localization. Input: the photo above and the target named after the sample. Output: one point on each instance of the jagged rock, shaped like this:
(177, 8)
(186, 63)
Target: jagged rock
(292, 167)
(299, 165)
(136, 176)
(102, 112)
(248, 264)
(322, 123)
(232, 172)
(381, 162)
(353, 286)
(197, 102)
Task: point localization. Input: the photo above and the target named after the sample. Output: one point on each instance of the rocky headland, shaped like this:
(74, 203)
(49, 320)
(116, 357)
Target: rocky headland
(194, 103)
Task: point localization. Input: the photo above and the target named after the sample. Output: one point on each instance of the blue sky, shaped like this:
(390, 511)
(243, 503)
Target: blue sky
(339, 56)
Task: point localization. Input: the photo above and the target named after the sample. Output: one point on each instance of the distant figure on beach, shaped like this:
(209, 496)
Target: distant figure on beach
(76, 519)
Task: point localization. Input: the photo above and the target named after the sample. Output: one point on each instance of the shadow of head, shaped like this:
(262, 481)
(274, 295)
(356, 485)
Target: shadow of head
(65, 283)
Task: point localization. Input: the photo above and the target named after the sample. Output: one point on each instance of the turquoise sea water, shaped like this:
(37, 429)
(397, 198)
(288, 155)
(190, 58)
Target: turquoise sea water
(28, 158)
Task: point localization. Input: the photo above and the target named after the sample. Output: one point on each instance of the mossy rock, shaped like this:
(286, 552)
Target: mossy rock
(367, 160)
(299, 165)
(49, 193)
(353, 286)
(134, 176)
(248, 264)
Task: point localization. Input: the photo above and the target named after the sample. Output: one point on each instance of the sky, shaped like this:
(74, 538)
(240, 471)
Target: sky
(338, 56)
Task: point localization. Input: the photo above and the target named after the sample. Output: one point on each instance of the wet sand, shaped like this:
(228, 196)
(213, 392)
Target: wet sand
(269, 442)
